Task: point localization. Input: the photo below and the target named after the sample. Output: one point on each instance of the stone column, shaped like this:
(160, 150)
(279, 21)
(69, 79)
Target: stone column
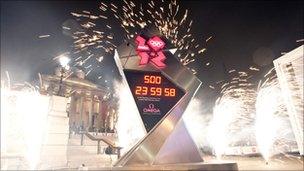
(102, 112)
(81, 111)
(72, 110)
(91, 111)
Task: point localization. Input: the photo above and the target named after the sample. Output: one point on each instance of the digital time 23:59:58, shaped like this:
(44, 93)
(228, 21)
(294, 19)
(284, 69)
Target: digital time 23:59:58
(154, 90)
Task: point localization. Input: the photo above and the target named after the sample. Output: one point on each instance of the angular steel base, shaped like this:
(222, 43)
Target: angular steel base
(180, 166)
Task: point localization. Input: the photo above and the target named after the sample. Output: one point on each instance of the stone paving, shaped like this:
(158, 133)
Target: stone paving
(87, 154)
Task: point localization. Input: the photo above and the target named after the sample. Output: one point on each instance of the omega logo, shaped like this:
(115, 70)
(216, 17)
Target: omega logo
(151, 109)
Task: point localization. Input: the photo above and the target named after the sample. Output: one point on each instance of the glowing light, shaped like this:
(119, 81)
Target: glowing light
(129, 125)
(266, 125)
(43, 36)
(197, 122)
(151, 79)
(233, 114)
(224, 114)
(272, 126)
(23, 120)
(64, 60)
(155, 91)
(173, 50)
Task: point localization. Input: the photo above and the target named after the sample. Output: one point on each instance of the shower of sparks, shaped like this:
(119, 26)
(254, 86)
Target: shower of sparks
(196, 122)
(90, 42)
(129, 133)
(247, 114)
(166, 16)
(233, 114)
(22, 112)
(272, 126)
(235, 119)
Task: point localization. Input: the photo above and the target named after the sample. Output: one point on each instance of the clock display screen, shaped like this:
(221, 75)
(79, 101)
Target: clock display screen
(154, 95)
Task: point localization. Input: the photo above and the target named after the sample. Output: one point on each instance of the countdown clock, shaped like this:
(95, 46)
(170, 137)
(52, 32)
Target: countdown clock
(154, 95)
(161, 88)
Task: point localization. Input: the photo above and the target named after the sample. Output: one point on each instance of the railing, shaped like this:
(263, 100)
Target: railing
(109, 142)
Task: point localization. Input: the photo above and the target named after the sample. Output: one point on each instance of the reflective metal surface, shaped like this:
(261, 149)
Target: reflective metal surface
(227, 166)
(169, 141)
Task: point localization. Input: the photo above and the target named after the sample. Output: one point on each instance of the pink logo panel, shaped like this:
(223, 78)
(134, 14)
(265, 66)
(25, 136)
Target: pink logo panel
(151, 51)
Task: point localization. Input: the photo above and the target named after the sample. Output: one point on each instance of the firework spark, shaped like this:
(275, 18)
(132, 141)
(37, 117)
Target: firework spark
(128, 132)
(167, 17)
(245, 115)
(233, 114)
(22, 112)
(44, 36)
(273, 130)
(196, 122)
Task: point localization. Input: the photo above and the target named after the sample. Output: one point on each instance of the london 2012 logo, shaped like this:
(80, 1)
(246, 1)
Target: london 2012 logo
(151, 51)
(151, 110)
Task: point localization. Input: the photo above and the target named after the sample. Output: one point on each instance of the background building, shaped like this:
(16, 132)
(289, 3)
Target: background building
(289, 70)
(89, 104)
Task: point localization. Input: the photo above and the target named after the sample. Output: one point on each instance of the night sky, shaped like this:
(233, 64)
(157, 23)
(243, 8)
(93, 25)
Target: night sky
(240, 30)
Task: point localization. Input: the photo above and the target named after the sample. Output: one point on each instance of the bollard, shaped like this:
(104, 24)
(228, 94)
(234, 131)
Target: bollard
(81, 140)
(118, 153)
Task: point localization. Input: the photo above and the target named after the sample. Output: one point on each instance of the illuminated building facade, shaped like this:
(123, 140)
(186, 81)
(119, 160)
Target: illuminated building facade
(89, 104)
(289, 70)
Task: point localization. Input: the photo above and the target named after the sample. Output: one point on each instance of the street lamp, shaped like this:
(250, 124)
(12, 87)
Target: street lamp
(64, 61)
